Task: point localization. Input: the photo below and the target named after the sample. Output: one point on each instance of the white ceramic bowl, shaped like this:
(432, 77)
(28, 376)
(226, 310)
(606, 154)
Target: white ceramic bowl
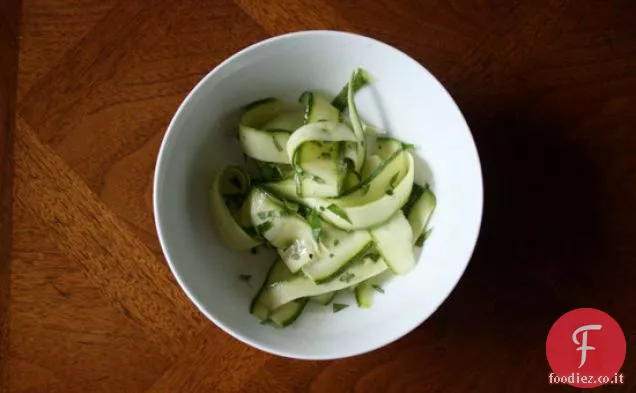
(405, 99)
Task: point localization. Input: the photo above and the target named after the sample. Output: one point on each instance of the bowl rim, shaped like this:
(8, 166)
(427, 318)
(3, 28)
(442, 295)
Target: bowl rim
(157, 180)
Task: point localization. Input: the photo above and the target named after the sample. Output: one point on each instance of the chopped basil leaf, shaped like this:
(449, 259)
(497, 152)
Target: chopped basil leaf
(313, 219)
(394, 179)
(360, 79)
(408, 146)
(389, 192)
(347, 277)
(264, 227)
(317, 179)
(378, 288)
(339, 307)
(251, 231)
(375, 257)
(420, 240)
(336, 242)
(337, 210)
(304, 211)
(416, 194)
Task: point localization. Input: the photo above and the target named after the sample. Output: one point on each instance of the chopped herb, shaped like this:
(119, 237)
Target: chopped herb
(337, 210)
(318, 179)
(379, 147)
(360, 79)
(347, 277)
(254, 250)
(325, 155)
(378, 288)
(311, 256)
(416, 194)
(336, 242)
(245, 277)
(264, 227)
(304, 211)
(295, 256)
(331, 255)
(322, 208)
(313, 219)
(394, 179)
(374, 257)
(408, 146)
(339, 307)
(278, 146)
(420, 240)
(389, 192)
(251, 231)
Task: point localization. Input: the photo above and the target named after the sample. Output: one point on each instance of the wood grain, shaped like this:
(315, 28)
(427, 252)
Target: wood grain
(548, 88)
(9, 17)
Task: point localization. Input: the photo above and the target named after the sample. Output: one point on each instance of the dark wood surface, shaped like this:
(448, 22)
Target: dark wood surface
(9, 22)
(548, 88)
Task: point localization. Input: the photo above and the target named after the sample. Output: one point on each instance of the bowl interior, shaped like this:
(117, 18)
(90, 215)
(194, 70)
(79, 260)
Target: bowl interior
(406, 100)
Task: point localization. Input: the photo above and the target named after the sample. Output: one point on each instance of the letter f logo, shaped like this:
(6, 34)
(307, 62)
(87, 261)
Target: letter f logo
(584, 347)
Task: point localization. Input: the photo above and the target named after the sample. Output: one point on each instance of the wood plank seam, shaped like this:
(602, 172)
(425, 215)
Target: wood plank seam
(131, 276)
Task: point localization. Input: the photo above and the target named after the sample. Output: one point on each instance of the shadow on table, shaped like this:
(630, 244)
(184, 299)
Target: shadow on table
(542, 240)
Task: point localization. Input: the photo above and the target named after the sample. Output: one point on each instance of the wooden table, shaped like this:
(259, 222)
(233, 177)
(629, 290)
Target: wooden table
(87, 303)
